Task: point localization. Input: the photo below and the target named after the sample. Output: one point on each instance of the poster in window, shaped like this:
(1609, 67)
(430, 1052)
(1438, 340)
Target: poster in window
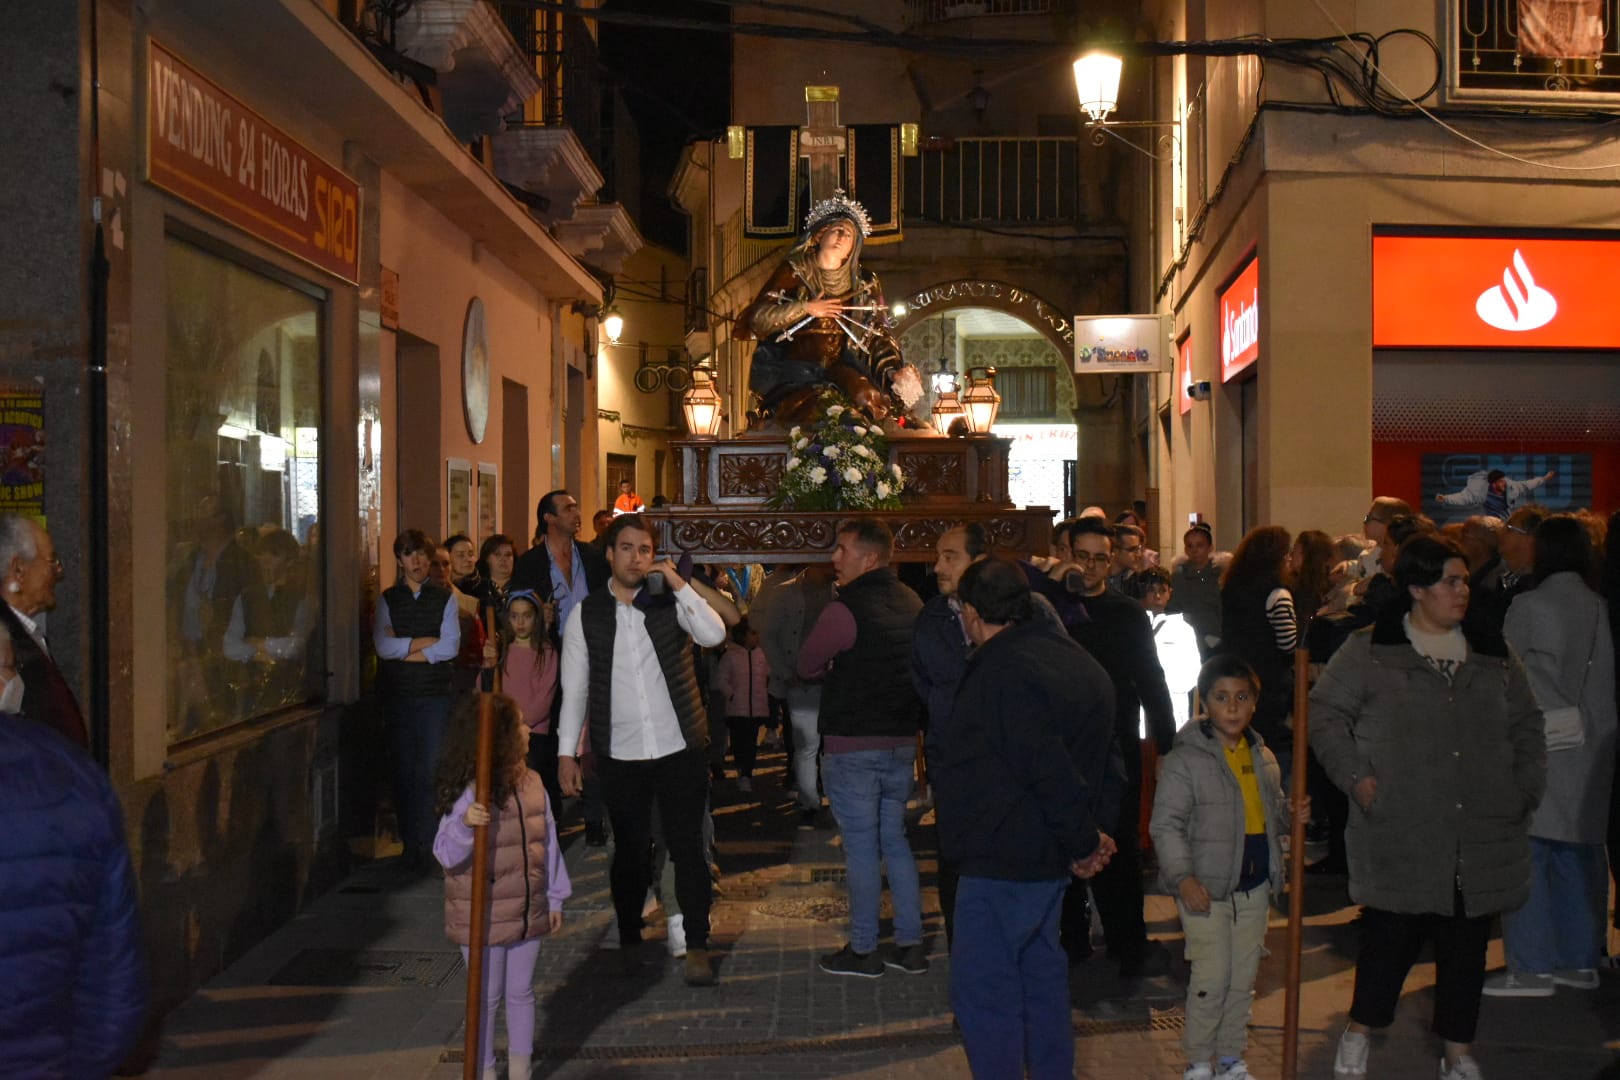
(22, 452)
(1561, 29)
(487, 491)
(459, 498)
(1459, 485)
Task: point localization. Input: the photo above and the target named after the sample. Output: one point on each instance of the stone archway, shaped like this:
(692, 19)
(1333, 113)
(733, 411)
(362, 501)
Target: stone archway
(1044, 317)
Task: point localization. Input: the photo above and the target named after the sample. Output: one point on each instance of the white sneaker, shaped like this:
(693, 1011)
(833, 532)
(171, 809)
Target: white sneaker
(676, 929)
(1576, 978)
(1198, 1070)
(1514, 984)
(1466, 1069)
(1238, 1070)
(519, 1067)
(1350, 1062)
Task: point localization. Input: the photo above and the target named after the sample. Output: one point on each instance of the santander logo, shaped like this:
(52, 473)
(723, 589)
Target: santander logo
(1242, 329)
(1518, 304)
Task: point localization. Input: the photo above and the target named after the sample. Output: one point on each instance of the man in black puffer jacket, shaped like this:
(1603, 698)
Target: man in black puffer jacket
(73, 996)
(1031, 768)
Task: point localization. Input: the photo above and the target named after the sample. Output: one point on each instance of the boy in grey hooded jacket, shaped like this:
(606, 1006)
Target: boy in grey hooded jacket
(1218, 818)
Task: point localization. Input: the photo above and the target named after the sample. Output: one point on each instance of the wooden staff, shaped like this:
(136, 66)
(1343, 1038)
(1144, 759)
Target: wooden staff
(478, 920)
(1296, 863)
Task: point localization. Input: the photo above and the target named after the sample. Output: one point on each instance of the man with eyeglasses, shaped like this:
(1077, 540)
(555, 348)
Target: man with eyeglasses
(1117, 632)
(1490, 597)
(30, 568)
(1130, 543)
(1384, 509)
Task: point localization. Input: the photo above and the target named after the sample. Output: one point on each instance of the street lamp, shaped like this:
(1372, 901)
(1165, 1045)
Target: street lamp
(1096, 81)
(980, 401)
(701, 405)
(612, 325)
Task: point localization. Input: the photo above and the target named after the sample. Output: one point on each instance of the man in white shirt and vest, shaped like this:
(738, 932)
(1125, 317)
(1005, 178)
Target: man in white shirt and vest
(627, 670)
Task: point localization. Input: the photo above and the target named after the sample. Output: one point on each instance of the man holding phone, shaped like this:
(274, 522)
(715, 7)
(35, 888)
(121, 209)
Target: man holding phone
(627, 671)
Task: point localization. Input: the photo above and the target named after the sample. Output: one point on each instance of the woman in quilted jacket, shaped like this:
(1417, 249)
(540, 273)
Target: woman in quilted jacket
(528, 881)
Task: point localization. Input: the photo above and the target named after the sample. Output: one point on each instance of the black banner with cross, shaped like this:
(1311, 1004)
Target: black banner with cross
(778, 167)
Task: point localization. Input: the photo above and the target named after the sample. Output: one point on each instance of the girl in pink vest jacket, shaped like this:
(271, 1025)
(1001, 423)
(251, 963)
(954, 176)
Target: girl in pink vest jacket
(528, 881)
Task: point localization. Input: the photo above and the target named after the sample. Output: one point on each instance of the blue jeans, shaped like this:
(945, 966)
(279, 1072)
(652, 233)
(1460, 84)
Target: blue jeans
(1010, 979)
(1561, 926)
(804, 710)
(415, 728)
(868, 790)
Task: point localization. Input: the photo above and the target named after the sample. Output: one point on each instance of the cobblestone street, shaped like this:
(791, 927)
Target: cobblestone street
(364, 984)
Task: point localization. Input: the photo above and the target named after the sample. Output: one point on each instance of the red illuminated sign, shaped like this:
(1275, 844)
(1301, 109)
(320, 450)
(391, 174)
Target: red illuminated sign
(1184, 375)
(1240, 321)
(1495, 292)
(210, 149)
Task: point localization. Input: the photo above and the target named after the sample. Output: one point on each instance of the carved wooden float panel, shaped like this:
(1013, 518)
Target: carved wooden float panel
(728, 535)
(939, 470)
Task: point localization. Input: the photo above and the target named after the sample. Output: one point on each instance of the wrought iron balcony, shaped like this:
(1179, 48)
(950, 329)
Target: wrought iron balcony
(1005, 180)
(1535, 52)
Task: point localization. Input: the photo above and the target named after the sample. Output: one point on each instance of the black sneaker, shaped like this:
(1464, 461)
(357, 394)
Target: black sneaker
(847, 961)
(807, 820)
(595, 834)
(911, 959)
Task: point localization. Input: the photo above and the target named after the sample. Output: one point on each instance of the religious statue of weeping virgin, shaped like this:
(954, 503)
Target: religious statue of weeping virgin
(822, 324)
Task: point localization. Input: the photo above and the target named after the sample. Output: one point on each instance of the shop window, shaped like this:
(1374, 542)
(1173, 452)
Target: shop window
(245, 633)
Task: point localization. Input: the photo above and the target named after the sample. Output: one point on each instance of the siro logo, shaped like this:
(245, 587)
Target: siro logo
(1518, 304)
(1242, 329)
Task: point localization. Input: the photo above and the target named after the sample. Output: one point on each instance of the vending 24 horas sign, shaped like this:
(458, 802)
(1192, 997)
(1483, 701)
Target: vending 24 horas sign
(207, 147)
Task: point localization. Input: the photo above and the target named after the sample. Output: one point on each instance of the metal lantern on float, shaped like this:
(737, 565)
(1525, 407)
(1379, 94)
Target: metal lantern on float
(947, 403)
(980, 401)
(701, 404)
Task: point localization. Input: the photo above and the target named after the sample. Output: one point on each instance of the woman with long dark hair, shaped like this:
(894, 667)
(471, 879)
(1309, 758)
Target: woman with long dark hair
(1429, 725)
(1310, 574)
(1258, 623)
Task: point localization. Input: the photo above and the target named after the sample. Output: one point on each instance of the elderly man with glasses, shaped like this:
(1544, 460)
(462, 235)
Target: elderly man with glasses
(30, 569)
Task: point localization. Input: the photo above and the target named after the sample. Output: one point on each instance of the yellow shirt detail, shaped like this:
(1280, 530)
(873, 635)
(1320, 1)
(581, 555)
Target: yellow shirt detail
(1241, 761)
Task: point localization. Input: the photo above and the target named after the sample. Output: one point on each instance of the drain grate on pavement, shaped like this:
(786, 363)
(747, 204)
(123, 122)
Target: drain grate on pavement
(828, 875)
(367, 967)
(838, 1044)
(817, 908)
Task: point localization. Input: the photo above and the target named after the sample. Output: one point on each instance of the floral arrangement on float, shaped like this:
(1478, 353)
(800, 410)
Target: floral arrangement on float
(839, 463)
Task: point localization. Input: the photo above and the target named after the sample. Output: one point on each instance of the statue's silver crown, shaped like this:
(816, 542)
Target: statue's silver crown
(840, 205)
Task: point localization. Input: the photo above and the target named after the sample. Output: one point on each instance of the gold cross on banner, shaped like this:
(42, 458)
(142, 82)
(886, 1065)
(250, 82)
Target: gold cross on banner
(823, 142)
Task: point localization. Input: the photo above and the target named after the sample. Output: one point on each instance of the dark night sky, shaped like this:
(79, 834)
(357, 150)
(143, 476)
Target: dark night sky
(677, 86)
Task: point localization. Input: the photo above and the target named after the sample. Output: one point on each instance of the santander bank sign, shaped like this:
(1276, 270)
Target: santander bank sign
(1240, 321)
(1495, 292)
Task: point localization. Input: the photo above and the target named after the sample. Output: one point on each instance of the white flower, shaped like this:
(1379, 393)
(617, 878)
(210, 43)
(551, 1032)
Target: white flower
(791, 463)
(801, 444)
(830, 452)
(865, 451)
(858, 430)
(818, 476)
(836, 410)
(883, 490)
(896, 470)
(853, 475)
(795, 431)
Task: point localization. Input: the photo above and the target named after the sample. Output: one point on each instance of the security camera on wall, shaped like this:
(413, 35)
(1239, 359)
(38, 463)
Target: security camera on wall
(1200, 391)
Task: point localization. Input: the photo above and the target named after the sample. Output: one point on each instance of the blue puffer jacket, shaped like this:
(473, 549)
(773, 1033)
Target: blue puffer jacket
(73, 993)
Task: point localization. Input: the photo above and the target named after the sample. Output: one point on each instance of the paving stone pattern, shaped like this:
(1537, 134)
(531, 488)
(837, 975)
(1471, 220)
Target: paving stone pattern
(774, 1013)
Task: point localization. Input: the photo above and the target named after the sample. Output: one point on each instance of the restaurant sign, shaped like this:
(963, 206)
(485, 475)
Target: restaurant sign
(208, 148)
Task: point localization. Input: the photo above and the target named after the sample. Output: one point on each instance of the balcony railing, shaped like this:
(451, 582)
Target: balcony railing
(571, 85)
(940, 10)
(1028, 181)
(1546, 52)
